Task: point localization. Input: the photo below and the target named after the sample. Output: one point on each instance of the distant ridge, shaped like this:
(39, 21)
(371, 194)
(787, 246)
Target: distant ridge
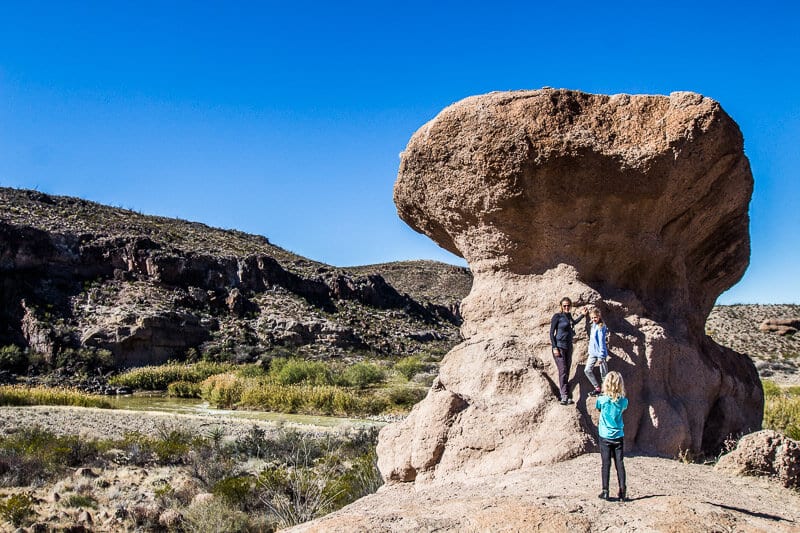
(78, 275)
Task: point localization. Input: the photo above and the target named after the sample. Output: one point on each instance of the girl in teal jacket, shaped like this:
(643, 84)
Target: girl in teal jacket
(611, 404)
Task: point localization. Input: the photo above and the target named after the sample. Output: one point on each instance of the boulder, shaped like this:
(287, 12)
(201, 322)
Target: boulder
(634, 204)
(765, 453)
(781, 326)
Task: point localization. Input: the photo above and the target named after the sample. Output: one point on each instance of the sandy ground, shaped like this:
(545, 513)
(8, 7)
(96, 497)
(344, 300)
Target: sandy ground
(114, 423)
(665, 496)
(116, 487)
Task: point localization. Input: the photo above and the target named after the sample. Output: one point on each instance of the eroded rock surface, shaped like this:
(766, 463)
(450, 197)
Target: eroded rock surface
(765, 453)
(634, 204)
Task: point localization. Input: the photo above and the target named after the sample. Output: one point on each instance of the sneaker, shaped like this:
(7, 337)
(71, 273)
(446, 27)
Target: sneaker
(603, 495)
(595, 392)
(567, 401)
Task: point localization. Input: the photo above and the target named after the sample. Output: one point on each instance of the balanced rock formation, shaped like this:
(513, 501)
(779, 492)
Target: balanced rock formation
(634, 204)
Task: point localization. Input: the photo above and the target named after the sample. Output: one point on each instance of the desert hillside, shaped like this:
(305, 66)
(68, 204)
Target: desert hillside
(777, 357)
(80, 278)
(78, 275)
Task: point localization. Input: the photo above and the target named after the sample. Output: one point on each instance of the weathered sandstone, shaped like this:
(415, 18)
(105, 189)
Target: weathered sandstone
(765, 453)
(781, 326)
(634, 204)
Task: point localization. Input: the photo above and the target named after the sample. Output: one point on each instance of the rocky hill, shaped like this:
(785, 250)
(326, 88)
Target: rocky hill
(82, 278)
(777, 357)
(81, 275)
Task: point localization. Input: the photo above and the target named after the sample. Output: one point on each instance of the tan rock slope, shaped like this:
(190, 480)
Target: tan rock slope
(634, 204)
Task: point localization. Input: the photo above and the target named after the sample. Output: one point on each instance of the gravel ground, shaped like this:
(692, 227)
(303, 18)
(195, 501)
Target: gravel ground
(665, 496)
(114, 424)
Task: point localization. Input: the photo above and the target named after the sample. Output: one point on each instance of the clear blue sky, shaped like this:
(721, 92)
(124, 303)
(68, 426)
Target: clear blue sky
(286, 118)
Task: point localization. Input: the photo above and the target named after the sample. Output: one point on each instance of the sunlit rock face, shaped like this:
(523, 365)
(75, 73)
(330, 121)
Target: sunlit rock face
(635, 204)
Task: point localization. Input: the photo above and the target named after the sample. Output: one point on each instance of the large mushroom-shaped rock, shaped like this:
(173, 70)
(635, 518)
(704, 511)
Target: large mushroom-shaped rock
(634, 204)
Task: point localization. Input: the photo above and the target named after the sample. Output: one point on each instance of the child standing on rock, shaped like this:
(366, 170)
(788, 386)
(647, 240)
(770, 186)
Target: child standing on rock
(598, 351)
(611, 404)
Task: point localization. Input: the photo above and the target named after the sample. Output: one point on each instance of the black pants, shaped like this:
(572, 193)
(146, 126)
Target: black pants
(612, 448)
(563, 364)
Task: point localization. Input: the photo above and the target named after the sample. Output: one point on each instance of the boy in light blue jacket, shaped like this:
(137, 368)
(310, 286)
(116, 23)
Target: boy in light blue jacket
(598, 351)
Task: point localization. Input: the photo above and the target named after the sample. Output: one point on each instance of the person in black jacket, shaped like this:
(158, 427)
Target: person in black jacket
(561, 333)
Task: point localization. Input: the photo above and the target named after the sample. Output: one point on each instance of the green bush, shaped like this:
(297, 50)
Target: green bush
(409, 366)
(215, 516)
(85, 360)
(251, 371)
(364, 374)
(17, 509)
(361, 479)
(183, 389)
(782, 413)
(13, 359)
(234, 491)
(222, 391)
(295, 371)
(405, 397)
(79, 500)
(34, 455)
(159, 377)
(770, 389)
(169, 447)
(19, 395)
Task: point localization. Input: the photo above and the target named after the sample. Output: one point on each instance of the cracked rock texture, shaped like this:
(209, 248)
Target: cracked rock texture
(634, 204)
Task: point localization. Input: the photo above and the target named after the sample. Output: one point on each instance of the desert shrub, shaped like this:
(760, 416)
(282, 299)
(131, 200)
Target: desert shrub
(251, 371)
(79, 500)
(84, 360)
(782, 413)
(254, 443)
(20, 395)
(234, 491)
(323, 399)
(169, 447)
(13, 359)
(183, 389)
(222, 390)
(361, 479)
(34, 455)
(209, 467)
(408, 366)
(312, 476)
(159, 377)
(17, 509)
(405, 397)
(297, 494)
(363, 374)
(293, 371)
(770, 389)
(216, 516)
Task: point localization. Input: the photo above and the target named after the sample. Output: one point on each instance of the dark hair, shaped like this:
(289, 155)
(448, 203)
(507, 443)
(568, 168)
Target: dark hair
(565, 299)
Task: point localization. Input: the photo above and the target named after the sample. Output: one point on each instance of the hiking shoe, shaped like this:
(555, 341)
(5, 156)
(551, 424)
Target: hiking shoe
(603, 495)
(622, 495)
(595, 392)
(566, 401)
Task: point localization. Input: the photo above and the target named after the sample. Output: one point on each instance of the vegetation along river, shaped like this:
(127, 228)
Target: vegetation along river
(164, 404)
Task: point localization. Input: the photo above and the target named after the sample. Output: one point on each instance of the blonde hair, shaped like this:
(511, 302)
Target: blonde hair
(614, 386)
(596, 312)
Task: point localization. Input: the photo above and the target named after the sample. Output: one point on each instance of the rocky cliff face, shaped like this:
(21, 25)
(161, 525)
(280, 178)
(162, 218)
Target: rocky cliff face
(634, 204)
(78, 275)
